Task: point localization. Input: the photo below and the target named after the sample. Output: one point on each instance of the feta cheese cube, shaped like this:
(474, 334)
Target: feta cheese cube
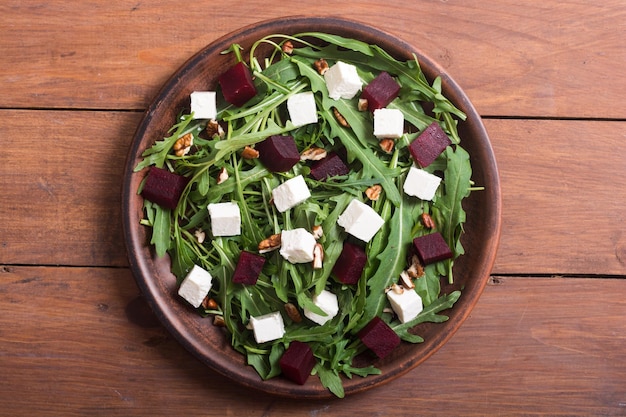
(388, 123)
(421, 184)
(360, 220)
(297, 245)
(407, 305)
(267, 327)
(225, 219)
(203, 105)
(342, 81)
(196, 286)
(290, 193)
(302, 108)
(327, 301)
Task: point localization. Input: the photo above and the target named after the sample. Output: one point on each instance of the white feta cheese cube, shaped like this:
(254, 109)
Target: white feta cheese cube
(302, 108)
(196, 286)
(290, 193)
(342, 81)
(327, 301)
(421, 184)
(297, 245)
(203, 105)
(360, 220)
(225, 219)
(268, 327)
(407, 305)
(388, 123)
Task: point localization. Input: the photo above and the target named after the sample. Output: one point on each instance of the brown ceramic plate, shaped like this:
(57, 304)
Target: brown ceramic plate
(210, 344)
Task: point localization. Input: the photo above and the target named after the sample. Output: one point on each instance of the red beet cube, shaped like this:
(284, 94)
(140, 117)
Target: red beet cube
(380, 92)
(297, 362)
(278, 153)
(379, 337)
(429, 145)
(248, 268)
(237, 85)
(431, 248)
(330, 166)
(164, 187)
(350, 263)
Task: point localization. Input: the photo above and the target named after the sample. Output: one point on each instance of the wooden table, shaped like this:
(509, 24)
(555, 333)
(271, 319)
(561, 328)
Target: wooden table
(548, 335)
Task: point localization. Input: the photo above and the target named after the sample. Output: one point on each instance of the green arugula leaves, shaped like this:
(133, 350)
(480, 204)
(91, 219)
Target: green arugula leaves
(175, 232)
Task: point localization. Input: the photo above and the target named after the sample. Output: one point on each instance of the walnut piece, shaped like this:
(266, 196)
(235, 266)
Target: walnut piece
(249, 153)
(214, 130)
(342, 120)
(321, 66)
(427, 221)
(317, 231)
(387, 145)
(318, 256)
(362, 104)
(313, 154)
(269, 244)
(293, 313)
(183, 145)
(222, 176)
(287, 47)
(373, 192)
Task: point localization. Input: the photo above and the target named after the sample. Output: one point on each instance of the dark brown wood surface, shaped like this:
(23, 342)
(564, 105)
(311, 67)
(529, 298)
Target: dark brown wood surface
(547, 336)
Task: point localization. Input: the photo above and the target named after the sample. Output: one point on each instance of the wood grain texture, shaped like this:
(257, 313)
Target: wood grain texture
(526, 350)
(522, 58)
(67, 199)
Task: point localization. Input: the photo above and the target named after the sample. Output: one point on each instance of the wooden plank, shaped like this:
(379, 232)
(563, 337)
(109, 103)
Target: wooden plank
(62, 206)
(61, 185)
(562, 196)
(531, 346)
(521, 58)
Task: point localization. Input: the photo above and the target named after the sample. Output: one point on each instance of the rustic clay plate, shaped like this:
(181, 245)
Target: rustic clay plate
(209, 343)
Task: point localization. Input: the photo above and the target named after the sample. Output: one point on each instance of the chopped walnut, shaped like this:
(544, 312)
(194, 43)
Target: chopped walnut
(249, 153)
(427, 221)
(313, 154)
(269, 244)
(387, 145)
(200, 235)
(318, 256)
(317, 231)
(342, 120)
(406, 280)
(321, 66)
(398, 289)
(214, 130)
(362, 104)
(416, 269)
(209, 304)
(287, 47)
(218, 321)
(222, 176)
(183, 145)
(373, 192)
(293, 313)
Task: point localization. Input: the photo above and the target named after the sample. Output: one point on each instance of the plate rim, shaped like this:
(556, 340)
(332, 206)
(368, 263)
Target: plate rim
(158, 302)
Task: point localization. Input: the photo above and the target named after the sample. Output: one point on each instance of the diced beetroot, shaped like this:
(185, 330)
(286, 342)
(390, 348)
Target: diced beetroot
(429, 145)
(379, 337)
(237, 85)
(431, 248)
(278, 153)
(380, 92)
(350, 263)
(248, 268)
(297, 362)
(330, 166)
(164, 187)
